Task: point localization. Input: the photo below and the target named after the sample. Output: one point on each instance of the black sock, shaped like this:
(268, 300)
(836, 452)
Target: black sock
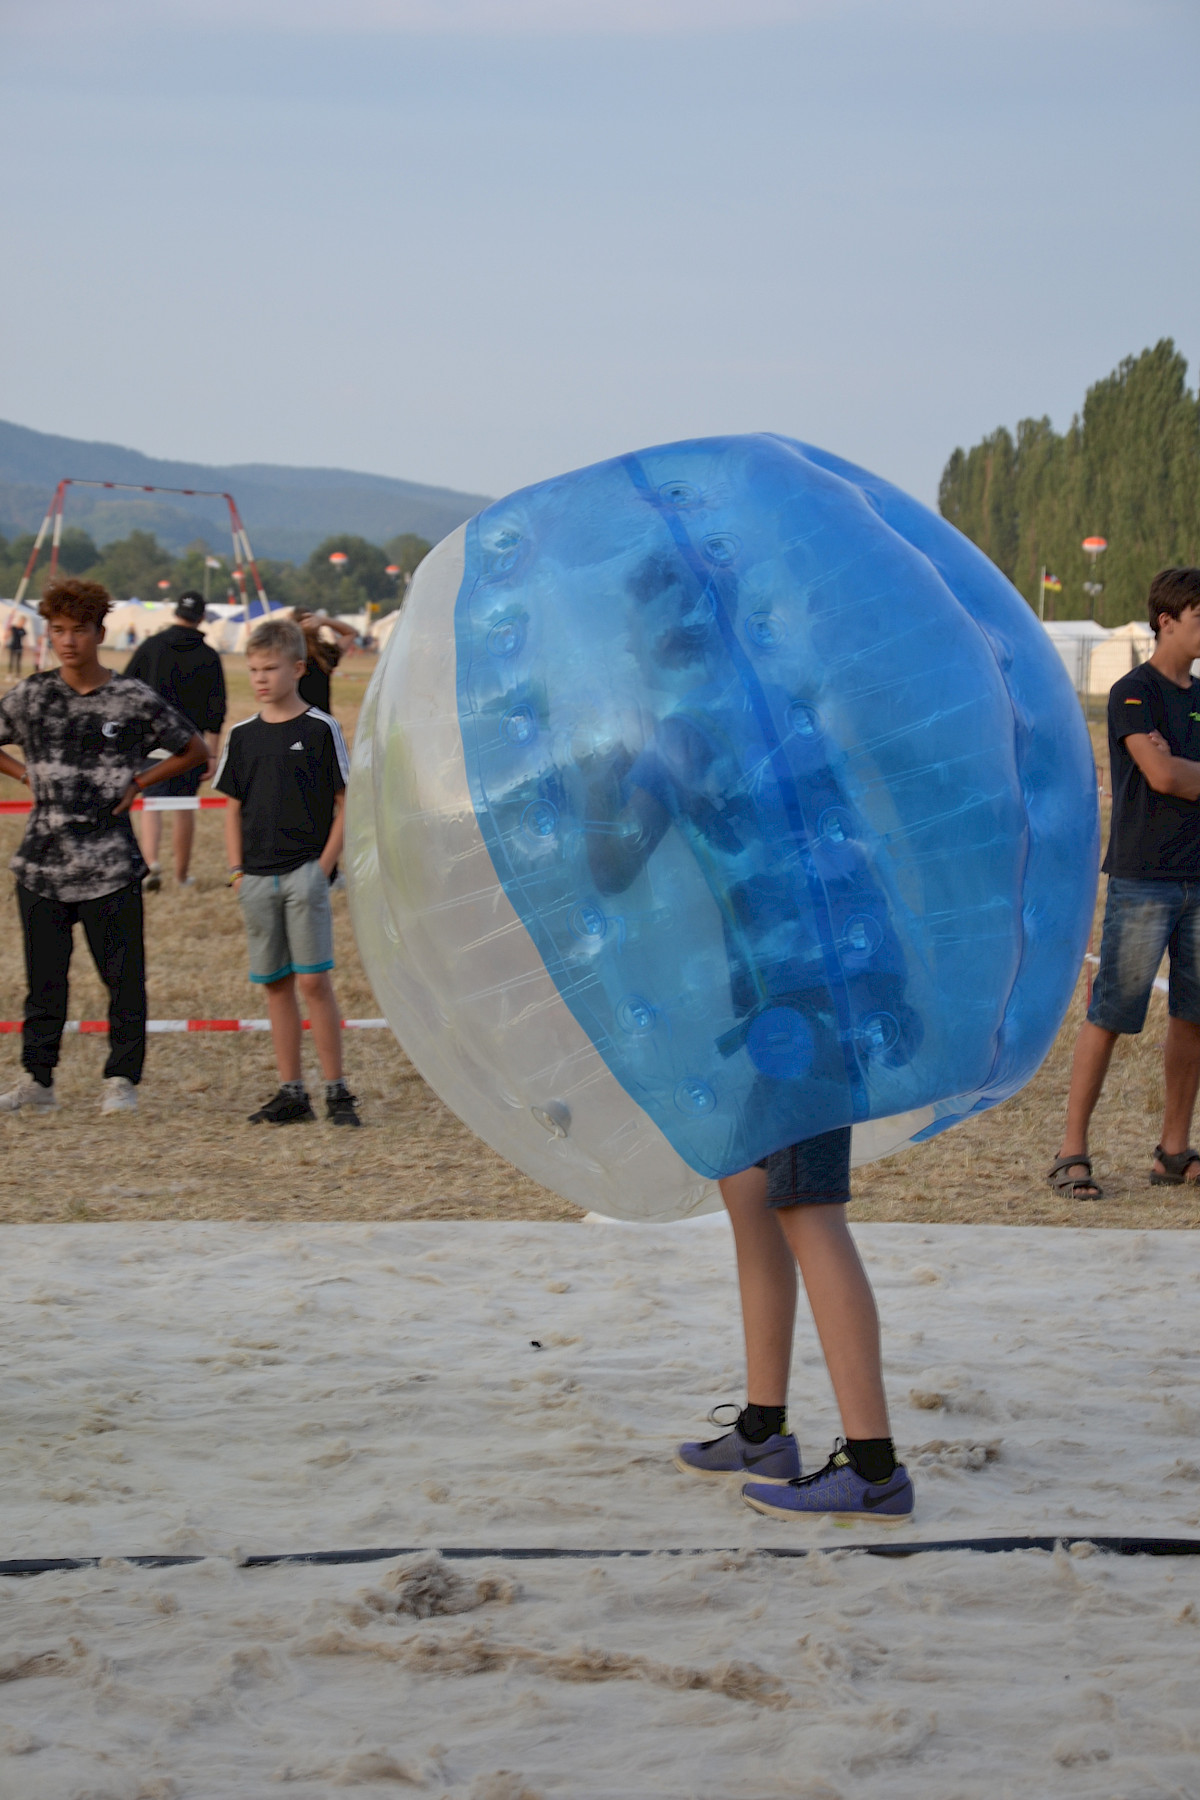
(43, 1077)
(874, 1458)
(758, 1423)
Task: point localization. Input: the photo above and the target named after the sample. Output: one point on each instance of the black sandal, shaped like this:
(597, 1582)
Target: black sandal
(1072, 1185)
(1175, 1164)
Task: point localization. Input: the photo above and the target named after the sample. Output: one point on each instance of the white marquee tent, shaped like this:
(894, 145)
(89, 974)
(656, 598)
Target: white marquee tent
(130, 622)
(1093, 657)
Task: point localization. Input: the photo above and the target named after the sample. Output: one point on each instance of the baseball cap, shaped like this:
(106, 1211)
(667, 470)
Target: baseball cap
(190, 606)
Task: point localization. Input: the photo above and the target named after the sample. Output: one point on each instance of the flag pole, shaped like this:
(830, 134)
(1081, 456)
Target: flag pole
(1042, 595)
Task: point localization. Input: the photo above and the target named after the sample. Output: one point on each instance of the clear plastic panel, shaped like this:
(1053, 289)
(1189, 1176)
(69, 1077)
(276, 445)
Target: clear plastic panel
(698, 806)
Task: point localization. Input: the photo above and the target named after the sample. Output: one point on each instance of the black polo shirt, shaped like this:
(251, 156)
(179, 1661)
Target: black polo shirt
(1153, 836)
(287, 778)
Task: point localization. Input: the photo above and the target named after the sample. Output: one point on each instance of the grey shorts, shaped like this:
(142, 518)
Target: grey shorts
(289, 923)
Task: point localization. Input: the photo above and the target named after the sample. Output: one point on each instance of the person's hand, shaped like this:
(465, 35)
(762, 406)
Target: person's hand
(1159, 742)
(127, 799)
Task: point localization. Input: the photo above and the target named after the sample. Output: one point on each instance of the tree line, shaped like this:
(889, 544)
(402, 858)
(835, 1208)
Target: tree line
(1126, 469)
(137, 566)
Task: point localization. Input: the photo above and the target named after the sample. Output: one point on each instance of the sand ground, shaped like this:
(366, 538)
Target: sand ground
(229, 1389)
(190, 1155)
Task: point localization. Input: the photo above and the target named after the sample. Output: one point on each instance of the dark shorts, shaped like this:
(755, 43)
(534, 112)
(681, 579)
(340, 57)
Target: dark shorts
(181, 787)
(814, 1173)
(1143, 920)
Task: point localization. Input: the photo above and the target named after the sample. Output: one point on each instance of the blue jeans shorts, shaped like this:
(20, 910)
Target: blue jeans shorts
(814, 1173)
(1142, 920)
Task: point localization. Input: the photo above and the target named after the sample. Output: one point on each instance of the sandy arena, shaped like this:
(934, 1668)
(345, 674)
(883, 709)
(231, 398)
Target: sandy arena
(242, 1389)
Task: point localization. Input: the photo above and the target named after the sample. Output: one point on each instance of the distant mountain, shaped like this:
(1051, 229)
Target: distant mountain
(287, 512)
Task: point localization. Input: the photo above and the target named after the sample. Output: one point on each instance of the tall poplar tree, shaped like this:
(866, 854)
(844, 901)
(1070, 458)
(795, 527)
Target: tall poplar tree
(1126, 469)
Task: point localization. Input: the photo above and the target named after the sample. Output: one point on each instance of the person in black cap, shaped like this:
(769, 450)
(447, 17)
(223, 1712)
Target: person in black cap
(183, 670)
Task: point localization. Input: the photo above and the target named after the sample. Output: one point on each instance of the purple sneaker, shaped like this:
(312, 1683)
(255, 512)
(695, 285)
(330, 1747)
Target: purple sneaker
(775, 1460)
(838, 1492)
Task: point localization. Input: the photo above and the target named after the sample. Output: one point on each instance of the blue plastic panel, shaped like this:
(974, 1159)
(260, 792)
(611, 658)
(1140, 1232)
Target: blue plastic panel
(766, 758)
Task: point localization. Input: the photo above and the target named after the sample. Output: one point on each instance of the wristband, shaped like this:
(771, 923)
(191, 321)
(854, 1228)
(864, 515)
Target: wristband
(235, 875)
(137, 782)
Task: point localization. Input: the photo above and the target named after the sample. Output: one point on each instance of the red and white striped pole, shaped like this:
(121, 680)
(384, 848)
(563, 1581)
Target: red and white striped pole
(56, 540)
(39, 540)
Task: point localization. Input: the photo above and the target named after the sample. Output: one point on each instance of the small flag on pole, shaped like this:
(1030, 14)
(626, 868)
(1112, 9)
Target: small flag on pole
(1052, 584)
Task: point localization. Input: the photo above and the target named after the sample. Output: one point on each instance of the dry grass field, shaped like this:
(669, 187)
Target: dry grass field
(189, 1154)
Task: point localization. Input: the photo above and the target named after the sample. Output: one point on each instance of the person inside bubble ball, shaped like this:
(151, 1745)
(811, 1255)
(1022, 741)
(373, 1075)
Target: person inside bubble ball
(787, 1211)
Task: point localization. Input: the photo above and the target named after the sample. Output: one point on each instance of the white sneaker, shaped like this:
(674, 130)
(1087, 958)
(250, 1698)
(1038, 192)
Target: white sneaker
(29, 1092)
(152, 881)
(120, 1095)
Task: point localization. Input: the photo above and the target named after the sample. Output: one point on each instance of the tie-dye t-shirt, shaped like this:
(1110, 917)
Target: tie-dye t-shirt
(81, 752)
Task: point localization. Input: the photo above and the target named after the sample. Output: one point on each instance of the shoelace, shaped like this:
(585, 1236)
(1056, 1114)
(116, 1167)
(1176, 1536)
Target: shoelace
(838, 1459)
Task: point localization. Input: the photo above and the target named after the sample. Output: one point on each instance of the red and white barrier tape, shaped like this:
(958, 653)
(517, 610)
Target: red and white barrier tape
(101, 1025)
(150, 803)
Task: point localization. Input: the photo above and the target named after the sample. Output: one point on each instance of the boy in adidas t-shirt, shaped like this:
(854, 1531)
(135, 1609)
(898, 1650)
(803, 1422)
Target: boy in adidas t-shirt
(284, 773)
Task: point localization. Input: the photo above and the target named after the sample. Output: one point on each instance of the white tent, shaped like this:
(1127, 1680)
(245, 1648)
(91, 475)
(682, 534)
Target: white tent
(384, 630)
(1122, 650)
(221, 627)
(1076, 641)
(130, 622)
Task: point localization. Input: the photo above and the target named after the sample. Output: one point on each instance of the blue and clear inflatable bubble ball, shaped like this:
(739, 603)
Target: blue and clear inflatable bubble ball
(709, 799)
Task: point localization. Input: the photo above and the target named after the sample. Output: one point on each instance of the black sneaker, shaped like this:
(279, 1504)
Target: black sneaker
(340, 1109)
(283, 1109)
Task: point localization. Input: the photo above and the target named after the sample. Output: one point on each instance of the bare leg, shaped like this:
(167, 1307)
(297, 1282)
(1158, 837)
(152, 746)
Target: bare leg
(1181, 1079)
(767, 1282)
(284, 1015)
(151, 835)
(843, 1309)
(1093, 1053)
(326, 1020)
(183, 832)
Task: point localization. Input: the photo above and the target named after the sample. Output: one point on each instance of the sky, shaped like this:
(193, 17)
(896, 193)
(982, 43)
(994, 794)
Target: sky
(479, 242)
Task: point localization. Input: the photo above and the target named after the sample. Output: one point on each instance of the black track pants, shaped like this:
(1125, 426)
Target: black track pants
(113, 928)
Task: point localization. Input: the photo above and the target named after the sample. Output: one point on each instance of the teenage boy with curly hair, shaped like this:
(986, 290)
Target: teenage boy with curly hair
(87, 735)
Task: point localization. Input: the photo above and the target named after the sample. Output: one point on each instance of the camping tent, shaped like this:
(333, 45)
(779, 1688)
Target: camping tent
(142, 618)
(384, 630)
(221, 627)
(1076, 641)
(1122, 650)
